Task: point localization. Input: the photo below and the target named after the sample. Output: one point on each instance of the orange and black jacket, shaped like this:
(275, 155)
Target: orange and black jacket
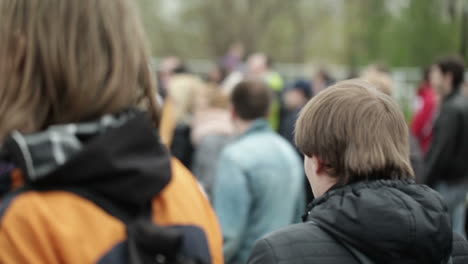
(101, 192)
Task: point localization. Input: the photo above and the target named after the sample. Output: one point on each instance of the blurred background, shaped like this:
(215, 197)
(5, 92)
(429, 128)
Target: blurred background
(304, 36)
(402, 33)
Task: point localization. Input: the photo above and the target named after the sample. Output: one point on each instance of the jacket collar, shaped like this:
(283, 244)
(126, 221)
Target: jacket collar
(258, 125)
(117, 156)
(386, 220)
(453, 94)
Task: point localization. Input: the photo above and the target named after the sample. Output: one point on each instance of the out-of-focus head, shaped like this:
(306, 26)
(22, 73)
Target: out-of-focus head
(447, 75)
(70, 61)
(380, 77)
(251, 100)
(352, 132)
(237, 49)
(217, 75)
(297, 95)
(322, 79)
(186, 91)
(257, 65)
(169, 64)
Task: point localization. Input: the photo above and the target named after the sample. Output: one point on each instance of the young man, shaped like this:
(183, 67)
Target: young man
(446, 161)
(254, 172)
(84, 177)
(367, 208)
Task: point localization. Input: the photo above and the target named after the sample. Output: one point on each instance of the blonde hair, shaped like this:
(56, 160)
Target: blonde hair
(70, 61)
(185, 90)
(380, 79)
(358, 132)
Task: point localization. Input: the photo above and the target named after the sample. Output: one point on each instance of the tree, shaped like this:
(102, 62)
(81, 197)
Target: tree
(355, 33)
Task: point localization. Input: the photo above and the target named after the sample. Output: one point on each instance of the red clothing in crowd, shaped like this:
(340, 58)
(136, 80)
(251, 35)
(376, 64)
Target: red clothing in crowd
(421, 125)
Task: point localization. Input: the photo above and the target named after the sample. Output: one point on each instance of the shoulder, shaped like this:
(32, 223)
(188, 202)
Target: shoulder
(456, 104)
(53, 204)
(237, 151)
(183, 202)
(49, 221)
(305, 243)
(459, 249)
(182, 197)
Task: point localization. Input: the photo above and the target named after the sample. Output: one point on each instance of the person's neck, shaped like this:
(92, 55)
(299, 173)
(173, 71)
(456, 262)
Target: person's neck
(323, 186)
(241, 126)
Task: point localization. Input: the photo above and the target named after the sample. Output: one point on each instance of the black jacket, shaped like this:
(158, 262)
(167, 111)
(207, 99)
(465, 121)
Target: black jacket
(368, 222)
(448, 154)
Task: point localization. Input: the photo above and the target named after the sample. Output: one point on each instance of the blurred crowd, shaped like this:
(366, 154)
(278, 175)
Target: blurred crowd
(204, 130)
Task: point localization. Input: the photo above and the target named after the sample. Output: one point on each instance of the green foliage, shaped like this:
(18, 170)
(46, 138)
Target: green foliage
(351, 32)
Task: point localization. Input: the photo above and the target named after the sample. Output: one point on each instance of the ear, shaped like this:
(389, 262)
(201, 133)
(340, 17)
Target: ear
(319, 165)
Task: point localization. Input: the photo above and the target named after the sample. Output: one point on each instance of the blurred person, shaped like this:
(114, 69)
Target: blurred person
(254, 171)
(216, 76)
(233, 59)
(446, 161)
(84, 176)
(368, 209)
(211, 131)
(260, 67)
(421, 125)
(233, 66)
(294, 99)
(322, 80)
(380, 77)
(185, 94)
(167, 67)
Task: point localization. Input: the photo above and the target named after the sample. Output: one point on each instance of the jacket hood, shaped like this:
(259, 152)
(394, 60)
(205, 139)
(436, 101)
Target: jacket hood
(387, 221)
(116, 157)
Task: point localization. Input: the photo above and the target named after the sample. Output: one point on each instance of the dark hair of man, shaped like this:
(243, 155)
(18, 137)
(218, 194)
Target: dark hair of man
(251, 100)
(455, 66)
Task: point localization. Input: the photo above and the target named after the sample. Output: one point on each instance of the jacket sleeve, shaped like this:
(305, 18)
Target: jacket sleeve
(443, 144)
(262, 253)
(459, 249)
(232, 202)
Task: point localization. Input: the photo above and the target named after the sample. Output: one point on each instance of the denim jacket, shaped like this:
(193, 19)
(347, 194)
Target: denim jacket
(259, 188)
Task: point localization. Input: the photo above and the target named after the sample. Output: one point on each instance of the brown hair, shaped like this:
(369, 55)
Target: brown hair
(251, 100)
(71, 61)
(358, 132)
